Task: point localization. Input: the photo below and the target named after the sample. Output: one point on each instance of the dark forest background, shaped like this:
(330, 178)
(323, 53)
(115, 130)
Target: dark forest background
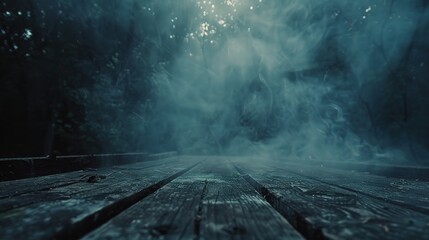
(76, 77)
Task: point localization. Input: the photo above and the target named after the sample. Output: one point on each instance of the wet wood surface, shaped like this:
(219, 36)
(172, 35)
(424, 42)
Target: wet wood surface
(206, 197)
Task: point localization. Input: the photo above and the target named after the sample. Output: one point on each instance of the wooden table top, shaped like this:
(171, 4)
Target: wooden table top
(208, 197)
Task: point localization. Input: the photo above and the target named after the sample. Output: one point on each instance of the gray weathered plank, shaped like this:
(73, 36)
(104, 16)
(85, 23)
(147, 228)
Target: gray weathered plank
(232, 209)
(411, 172)
(18, 168)
(320, 210)
(73, 210)
(15, 188)
(168, 213)
(210, 202)
(411, 194)
(72, 184)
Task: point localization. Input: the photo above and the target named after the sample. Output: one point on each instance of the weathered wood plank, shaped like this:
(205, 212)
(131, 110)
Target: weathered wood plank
(72, 211)
(18, 168)
(320, 210)
(411, 194)
(101, 180)
(14, 188)
(42, 188)
(168, 213)
(232, 209)
(387, 170)
(210, 202)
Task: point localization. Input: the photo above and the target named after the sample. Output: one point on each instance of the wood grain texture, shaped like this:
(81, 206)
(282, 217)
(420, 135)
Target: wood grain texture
(18, 168)
(232, 209)
(168, 213)
(73, 210)
(15, 188)
(221, 198)
(411, 194)
(323, 211)
(411, 172)
(65, 186)
(210, 202)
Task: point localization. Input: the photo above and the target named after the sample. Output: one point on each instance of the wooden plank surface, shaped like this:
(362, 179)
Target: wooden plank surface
(18, 168)
(23, 186)
(319, 210)
(411, 172)
(407, 193)
(210, 202)
(232, 209)
(19, 193)
(219, 198)
(73, 210)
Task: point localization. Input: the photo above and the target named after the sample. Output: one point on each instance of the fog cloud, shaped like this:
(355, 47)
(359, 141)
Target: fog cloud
(303, 79)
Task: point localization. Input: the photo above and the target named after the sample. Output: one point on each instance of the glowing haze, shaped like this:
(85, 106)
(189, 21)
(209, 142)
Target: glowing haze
(301, 79)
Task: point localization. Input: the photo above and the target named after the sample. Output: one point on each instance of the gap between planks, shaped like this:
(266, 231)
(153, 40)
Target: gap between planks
(19, 187)
(307, 217)
(98, 218)
(71, 218)
(294, 218)
(416, 208)
(211, 201)
(21, 193)
(409, 194)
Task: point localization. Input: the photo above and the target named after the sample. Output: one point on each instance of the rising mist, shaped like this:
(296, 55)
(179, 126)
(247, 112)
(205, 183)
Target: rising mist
(298, 79)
